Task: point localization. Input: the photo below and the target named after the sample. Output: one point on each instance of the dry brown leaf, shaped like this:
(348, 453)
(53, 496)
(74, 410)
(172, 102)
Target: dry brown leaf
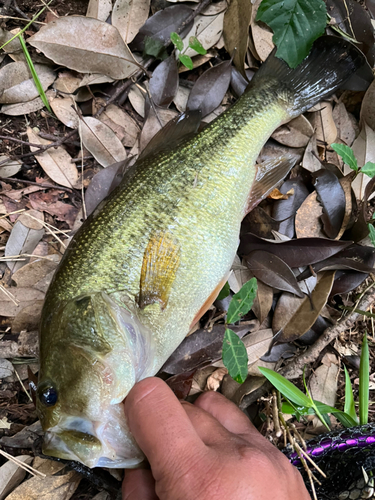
(24, 108)
(181, 98)
(323, 123)
(364, 150)
(21, 240)
(137, 100)
(122, 124)
(99, 9)
(101, 141)
(347, 128)
(129, 16)
(33, 272)
(100, 50)
(11, 475)
(323, 381)
(63, 107)
(28, 318)
(236, 31)
(152, 125)
(368, 107)
(18, 84)
(311, 160)
(56, 162)
(19, 298)
(32, 219)
(10, 168)
(207, 29)
(308, 223)
(295, 133)
(48, 467)
(67, 82)
(262, 37)
(214, 380)
(48, 488)
(263, 301)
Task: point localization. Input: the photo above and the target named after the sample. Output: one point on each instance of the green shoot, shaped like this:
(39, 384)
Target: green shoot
(364, 377)
(34, 74)
(346, 154)
(194, 44)
(349, 406)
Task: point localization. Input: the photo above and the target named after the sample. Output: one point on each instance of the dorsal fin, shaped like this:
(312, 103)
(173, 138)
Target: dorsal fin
(173, 133)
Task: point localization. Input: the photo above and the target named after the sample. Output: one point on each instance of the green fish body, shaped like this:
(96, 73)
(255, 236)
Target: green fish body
(145, 265)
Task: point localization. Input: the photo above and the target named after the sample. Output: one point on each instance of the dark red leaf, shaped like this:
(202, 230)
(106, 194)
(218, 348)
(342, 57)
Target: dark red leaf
(273, 271)
(210, 88)
(260, 223)
(181, 384)
(295, 253)
(164, 82)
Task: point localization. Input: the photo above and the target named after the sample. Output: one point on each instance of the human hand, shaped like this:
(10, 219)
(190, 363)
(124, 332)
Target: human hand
(206, 451)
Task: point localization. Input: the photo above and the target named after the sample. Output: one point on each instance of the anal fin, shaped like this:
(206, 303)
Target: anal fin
(161, 260)
(269, 174)
(208, 303)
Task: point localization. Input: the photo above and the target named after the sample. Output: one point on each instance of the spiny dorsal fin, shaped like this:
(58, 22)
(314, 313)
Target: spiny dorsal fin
(161, 260)
(269, 174)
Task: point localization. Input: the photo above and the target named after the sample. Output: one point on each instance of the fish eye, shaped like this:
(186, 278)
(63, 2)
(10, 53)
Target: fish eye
(48, 395)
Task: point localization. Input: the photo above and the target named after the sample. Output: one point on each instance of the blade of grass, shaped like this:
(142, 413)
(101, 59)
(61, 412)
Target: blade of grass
(313, 404)
(27, 25)
(349, 407)
(34, 74)
(364, 377)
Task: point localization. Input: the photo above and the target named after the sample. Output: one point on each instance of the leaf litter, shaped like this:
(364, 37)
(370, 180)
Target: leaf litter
(106, 110)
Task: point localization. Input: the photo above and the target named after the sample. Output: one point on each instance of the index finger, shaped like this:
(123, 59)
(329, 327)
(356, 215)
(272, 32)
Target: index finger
(161, 426)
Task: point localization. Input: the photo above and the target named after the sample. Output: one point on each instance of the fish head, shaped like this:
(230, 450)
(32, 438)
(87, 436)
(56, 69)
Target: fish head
(97, 351)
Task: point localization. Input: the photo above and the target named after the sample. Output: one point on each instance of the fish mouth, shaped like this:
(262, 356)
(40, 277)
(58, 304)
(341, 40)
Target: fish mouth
(95, 444)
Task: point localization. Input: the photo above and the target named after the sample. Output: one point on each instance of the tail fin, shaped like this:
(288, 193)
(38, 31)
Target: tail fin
(330, 63)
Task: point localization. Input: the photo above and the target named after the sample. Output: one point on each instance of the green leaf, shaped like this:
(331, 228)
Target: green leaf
(368, 169)
(177, 41)
(364, 377)
(286, 388)
(371, 233)
(196, 45)
(225, 291)
(186, 61)
(349, 407)
(242, 301)
(34, 74)
(346, 154)
(296, 25)
(153, 47)
(235, 356)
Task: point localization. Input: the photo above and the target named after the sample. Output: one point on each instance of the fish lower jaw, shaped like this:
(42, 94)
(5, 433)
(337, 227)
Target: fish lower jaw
(107, 443)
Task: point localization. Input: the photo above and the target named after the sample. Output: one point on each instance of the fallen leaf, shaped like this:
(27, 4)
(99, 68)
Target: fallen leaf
(22, 240)
(207, 29)
(11, 475)
(323, 123)
(52, 205)
(28, 318)
(31, 273)
(101, 141)
(347, 128)
(273, 271)
(129, 16)
(18, 85)
(295, 133)
(364, 150)
(10, 306)
(323, 381)
(122, 124)
(285, 210)
(99, 9)
(236, 31)
(56, 487)
(311, 160)
(210, 88)
(10, 168)
(308, 310)
(263, 301)
(56, 162)
(24, 108)
(215, 379)
(308, 218)
(153, 124)
(63, 107)
(164, 82)
(137, 100)
(100, 50)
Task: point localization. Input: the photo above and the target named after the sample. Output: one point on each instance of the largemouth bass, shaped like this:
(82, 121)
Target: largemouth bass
(150, 260)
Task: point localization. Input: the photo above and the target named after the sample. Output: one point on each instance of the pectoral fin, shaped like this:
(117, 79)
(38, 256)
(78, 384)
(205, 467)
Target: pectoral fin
(161, 260)
(269, 174)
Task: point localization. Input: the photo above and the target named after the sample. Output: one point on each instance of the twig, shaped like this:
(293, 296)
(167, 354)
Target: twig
(32, 183)
(23, 465)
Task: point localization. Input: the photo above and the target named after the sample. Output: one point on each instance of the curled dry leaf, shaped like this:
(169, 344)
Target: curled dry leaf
(22, 240)
(99, 9)
(273, 271)
(122, 124)
(236, 31)
(207, 29)
(295, 133)
(164, 82)
(63, 107)
(331, 196)
(56, 162)
(18, 85)
(129, 16)
(323, 380)
(210, 88)
(311, 160)
(101, 141)
(100, 50)
(308, 310)
(285, 210)
(215, 379)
